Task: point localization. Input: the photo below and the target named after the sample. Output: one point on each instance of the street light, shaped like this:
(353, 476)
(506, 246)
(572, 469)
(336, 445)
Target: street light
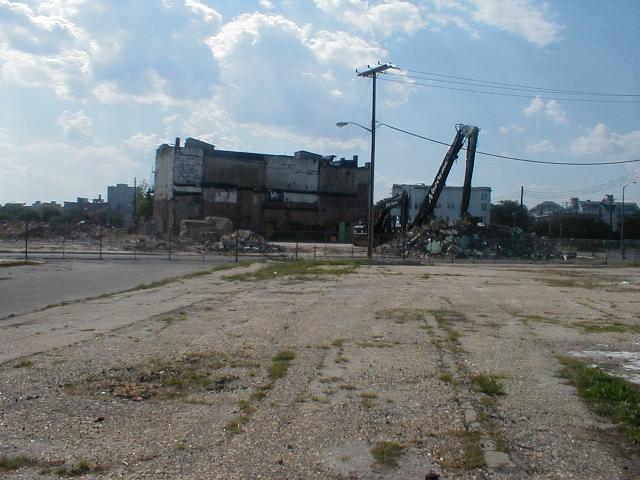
(372, 131)
(622, 220)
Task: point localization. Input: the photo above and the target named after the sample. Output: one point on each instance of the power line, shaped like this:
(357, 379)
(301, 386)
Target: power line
(506, 157)
(574, 92)
(503, 94)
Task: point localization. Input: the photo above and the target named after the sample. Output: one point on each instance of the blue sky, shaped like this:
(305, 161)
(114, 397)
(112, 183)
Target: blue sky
(89, 88)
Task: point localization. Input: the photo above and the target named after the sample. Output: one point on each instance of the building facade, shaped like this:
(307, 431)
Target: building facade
(121, 199)
(269, 194)
(607, 210)
(448, 207)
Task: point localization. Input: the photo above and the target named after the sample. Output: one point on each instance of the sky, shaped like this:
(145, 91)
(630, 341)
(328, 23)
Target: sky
(90, 88)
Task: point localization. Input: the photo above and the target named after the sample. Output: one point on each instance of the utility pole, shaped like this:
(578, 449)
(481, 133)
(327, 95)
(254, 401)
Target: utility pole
(622, 221)
(373, 74)
(521, 195)
(135, 200)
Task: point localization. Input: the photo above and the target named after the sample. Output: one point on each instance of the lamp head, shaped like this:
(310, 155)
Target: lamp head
(341, 124)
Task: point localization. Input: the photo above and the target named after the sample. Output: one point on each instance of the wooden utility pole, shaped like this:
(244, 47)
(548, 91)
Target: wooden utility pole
(373, 74)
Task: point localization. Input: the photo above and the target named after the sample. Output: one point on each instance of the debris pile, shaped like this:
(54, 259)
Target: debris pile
(247, 241)
(468, 240)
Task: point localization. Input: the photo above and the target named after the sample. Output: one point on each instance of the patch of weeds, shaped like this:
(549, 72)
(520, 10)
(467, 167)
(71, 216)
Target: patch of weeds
(24, 363)
(447, 377)
(260, 392)
(489, 383)
(388, 453)
(18, 263)
(8, 464)
(280, 364)
(614, 327)
(171, 318)
(463, 450)
(300, 270)
(235, 425)
(247, 407)
(346, 386)
(374, 344)
(369, 395)
(338, 342)
(340, 358)
(401, 315)
(584, 282)
(609, 395)
(329, 379)
(164, 378)
(453, 335)
(444, 318)
(425, 275)
(83, 467)
(366, 403)
(329, 391)
(488, 401)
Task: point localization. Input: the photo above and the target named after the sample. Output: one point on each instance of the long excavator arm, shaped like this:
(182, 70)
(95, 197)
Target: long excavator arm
(431, 199)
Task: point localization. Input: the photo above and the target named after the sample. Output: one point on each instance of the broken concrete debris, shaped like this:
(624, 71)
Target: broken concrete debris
(468, 240)
(247, 241)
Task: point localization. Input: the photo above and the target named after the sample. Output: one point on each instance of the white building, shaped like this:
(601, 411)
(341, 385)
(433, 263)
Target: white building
(448, 207)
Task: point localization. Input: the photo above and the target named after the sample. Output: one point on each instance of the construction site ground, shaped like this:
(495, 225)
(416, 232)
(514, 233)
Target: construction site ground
(330, 375)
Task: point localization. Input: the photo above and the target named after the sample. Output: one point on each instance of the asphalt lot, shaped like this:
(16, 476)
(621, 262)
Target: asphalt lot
(31, 287)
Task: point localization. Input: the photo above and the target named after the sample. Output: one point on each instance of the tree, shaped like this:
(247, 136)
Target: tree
(144, 204)
(49, 212)
(573, 226)
(504, 212)
(30, 215)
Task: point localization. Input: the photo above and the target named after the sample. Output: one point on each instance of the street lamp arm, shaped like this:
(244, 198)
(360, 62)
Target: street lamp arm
(344, 124)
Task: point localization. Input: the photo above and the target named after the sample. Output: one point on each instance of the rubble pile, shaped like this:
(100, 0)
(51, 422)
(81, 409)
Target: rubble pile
(247, 241)
(468, 240)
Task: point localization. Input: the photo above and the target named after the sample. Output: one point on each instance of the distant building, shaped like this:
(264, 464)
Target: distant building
(84, 204)
(121, 199)
(546, 209)
(607, 210)
(269, 194)
(448, 206)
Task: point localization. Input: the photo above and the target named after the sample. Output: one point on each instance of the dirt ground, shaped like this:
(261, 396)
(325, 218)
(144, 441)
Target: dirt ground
(368, 375)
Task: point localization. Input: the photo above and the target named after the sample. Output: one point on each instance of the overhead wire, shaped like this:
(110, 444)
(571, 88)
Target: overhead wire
(506, 157)
(517, 85)
(504, 94)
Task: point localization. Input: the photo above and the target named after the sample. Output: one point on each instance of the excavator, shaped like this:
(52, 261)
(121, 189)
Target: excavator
(382, 211)
(384, 222)
(463, 132)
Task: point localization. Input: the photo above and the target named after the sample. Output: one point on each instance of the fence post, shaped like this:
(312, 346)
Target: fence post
(314, 251)
(351, 250)
(297, 241)
(100, 240)
(170, 238)
(64, 240)
(325, 244)
(237, 241)
(26, 239)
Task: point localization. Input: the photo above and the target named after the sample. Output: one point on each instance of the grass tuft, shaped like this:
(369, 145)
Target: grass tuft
(388, 453)
(489, 383)
(280, 364)
(300, 270)
(609, 395)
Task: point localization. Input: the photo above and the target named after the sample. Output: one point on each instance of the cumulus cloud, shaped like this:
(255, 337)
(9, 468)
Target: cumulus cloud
(344, 48)
(207, 13)
(266, 4)
(76, 124)
(505, 130)
(519, 17)
(383, 18)
(143, 142)
(541, 146)
(551, 109)
(600, 140)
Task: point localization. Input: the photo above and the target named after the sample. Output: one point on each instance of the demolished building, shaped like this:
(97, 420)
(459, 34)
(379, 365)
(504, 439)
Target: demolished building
(271, 194)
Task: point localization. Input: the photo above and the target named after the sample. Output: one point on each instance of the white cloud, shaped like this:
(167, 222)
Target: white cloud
(504, 130)
(345, 48)
(600, 140)
(110, 93)
(541, 146)
(76, 124)
(550, 109)
(250, 26)
(266, 4)
(519, 17)
(336, 93)
(208, 14)
(383, 18)
(143, 142)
